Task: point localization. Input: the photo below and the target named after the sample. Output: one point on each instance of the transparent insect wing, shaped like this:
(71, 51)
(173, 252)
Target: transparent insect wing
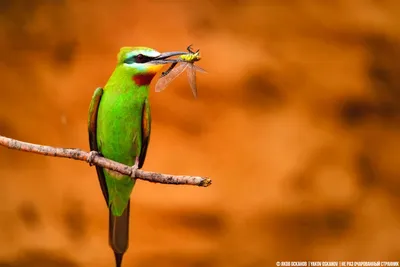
(197, 68)
(191, 73)
(163, 82)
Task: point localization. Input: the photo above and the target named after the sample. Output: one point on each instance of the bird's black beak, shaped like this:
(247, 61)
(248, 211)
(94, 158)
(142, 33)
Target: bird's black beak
(164, 57)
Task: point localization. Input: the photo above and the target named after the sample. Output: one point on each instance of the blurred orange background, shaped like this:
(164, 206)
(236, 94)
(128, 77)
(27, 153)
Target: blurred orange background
(297, 123)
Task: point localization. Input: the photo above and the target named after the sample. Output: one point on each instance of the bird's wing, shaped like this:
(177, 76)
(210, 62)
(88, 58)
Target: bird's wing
(146, 130)
(92, 127)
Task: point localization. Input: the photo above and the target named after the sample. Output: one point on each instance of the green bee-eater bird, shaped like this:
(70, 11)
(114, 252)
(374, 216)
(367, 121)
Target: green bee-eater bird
(119, 129)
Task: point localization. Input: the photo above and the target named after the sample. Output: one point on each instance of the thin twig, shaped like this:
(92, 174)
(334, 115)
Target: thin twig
(77, 154)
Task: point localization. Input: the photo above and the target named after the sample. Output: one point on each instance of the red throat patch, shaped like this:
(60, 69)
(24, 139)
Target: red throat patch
(143, 79)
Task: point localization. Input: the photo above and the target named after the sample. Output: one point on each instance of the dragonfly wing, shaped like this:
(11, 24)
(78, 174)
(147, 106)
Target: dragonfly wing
(164, 81)
(199, 69)
(191, 72)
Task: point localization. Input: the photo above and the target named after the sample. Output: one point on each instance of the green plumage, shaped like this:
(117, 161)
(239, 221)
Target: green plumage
(119, 128)
(119, 134)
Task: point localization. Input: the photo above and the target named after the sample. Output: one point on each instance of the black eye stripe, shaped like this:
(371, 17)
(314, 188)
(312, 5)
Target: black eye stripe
(129, 60)
(140, 58)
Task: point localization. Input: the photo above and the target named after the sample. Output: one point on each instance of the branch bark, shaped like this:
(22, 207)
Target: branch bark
(93, 158)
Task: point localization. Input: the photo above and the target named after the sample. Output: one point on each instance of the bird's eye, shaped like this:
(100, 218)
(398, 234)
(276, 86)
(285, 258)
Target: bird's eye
(140, 58)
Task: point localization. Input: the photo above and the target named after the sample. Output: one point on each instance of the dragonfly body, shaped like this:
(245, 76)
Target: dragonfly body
(186, 63)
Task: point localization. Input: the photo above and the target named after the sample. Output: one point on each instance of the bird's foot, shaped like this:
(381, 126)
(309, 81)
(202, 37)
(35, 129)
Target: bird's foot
(134, 168)
(92, 155)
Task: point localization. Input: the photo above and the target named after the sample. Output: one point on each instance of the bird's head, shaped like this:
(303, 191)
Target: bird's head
(143, 63)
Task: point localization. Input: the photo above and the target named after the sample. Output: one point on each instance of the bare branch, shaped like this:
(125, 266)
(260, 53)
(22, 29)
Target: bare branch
(95, 159)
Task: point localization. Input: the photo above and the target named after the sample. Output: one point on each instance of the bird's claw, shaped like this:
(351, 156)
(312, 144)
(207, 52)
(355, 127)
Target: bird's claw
(92, 155)
(135, 168)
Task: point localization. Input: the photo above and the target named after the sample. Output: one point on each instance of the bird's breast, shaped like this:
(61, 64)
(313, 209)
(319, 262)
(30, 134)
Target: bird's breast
(119, 127)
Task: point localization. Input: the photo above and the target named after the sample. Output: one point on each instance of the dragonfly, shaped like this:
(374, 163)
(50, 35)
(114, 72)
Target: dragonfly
(186, 62)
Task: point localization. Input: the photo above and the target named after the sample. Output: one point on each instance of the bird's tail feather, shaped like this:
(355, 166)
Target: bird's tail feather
(118, 237)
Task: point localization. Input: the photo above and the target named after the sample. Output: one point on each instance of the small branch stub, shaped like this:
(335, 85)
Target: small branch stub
(94, 158)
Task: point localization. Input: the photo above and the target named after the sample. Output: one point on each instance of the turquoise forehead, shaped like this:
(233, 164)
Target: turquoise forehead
(144, 51)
